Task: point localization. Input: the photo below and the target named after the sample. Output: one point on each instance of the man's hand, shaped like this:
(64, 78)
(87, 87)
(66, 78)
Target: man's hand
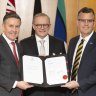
(23, 85)
(71, 85)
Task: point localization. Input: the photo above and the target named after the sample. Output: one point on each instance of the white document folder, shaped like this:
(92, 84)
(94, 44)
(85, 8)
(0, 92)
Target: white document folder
(46, 71)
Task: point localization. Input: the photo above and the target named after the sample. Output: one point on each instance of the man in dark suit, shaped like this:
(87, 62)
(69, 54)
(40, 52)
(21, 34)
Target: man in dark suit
(10, 65)
(53, 46)
(85, 81)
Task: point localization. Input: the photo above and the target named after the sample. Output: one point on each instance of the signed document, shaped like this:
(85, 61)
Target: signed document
(32, 69)
(56, 71)
(51, 70)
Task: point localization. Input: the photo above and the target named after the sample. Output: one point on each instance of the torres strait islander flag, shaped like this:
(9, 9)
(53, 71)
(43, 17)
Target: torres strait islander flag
(60, 23)
(10, 6)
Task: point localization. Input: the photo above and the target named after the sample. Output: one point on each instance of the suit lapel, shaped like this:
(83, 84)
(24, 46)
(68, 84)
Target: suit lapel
(20, 54)
(7, 50)
(51, 45)
(72, 49)
(34, 46)
(89, 47)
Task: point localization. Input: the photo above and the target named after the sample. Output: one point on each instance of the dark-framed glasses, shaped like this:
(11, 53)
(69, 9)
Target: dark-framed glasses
(39, 26)
(86, 20)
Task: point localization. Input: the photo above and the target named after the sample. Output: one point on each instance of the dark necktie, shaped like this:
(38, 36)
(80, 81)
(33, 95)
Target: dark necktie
(77, 62)
(14, 53)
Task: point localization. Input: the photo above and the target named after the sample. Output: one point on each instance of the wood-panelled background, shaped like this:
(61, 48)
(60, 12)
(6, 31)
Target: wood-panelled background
(72, 7)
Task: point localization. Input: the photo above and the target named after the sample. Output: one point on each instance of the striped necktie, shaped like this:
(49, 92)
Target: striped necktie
(77, 62)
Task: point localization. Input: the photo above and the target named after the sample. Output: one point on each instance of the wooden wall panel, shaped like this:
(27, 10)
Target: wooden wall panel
(72, 8)
(71, 14)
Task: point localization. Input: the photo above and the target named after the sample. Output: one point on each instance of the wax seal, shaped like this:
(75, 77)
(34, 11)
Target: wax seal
(65, 77)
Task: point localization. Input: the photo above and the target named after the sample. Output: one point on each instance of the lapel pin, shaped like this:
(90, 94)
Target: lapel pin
(91, 43)
(53, 54)
(60, 53)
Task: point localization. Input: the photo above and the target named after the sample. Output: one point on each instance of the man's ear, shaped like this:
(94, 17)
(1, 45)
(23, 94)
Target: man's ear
(77, 22)
(94, 24)
(3, 26)
(33, 26)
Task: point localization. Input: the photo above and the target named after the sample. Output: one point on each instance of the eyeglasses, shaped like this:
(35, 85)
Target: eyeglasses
(39, 26)
(86, 20)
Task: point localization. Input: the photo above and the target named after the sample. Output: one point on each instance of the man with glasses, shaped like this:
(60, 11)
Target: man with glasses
(51, 46)
(82, 56)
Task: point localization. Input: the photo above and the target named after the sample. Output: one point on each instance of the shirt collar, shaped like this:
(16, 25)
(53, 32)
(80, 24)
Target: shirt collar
(38, 38)
(7, 40)
(86, 38)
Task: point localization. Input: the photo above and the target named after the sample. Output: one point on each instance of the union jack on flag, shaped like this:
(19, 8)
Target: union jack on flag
(10, 6)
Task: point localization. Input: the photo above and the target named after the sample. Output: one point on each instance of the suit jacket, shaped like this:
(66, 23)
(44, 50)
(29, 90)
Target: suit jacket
(87, 68)
(56, 46)
(9, 72)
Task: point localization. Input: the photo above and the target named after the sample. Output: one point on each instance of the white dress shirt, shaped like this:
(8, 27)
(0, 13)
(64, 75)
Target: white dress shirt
(46, 44)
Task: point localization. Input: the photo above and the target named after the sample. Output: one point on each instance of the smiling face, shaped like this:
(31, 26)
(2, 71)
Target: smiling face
(86, 23)
(41, 26)
(11, 28)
